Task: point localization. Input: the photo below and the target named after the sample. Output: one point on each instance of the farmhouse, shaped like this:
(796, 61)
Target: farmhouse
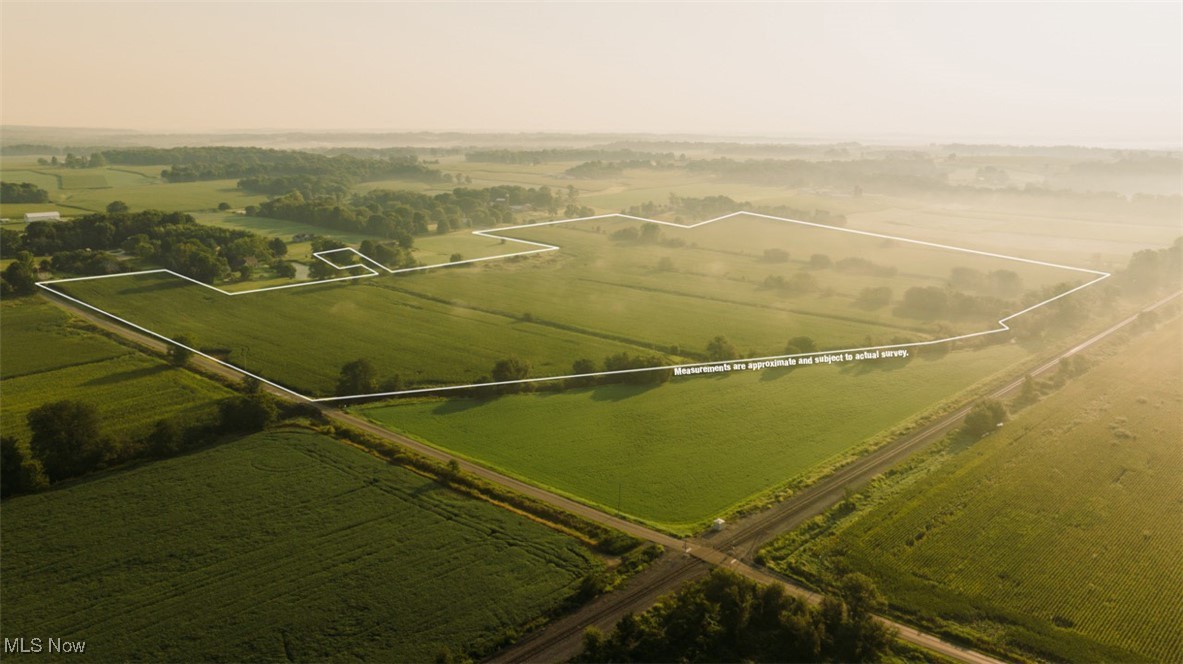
(42, 216)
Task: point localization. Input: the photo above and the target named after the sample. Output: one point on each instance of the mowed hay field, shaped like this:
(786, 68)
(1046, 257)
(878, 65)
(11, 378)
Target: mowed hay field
(77, 191)
(681, 453)
(1058, 537)
(281, 546)
(594, 297)
(48, 356)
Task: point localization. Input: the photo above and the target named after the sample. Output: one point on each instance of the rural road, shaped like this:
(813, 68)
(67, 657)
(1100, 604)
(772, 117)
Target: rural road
(562, 638)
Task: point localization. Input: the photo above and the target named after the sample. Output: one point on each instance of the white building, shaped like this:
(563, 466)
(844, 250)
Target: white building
(42, 216)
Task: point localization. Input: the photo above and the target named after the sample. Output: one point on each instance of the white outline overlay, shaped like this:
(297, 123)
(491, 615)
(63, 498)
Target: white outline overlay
(369, 272)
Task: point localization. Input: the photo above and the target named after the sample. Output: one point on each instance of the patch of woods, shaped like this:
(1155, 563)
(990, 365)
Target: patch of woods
(189, 164)
(22, 192)
(535, 157)
(709, 207)
(67, 439)
(403, 214)
(729, 618)
(172, 239)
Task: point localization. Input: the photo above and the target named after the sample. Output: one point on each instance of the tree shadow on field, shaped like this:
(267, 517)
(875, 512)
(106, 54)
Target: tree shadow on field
(170, 283)
(459, 405)
(143, 372)
(864, 367)
(620, 392)
(777, 373)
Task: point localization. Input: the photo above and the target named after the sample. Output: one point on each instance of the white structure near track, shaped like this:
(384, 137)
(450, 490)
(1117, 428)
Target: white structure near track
(42, 216)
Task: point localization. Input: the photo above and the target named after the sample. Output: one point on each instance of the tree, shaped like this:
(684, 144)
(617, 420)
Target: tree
(284, 269)
(720, 349)
(178, 354)
(251, 385)
(983, 418)
(357, 377)
(1029, 394)
(510, 369)
(926, 302)
(583, 366)
(20, 277)
(820, 261)
(278, 247)
(116, 207)
(800, 345)
(776, 256)
(247, 414)
(66, 438)
(165, 439)
(223, 206)
(19, 473)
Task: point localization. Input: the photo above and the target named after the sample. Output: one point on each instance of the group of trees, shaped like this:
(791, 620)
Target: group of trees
(220, 162)
(401, 215)
(22, 192)
(20, 277)
(709, 207)
(936, 302)
(729, 618)
(902, 172)
(172, 239)
(67, 440)
(564, 154)
(599, 169)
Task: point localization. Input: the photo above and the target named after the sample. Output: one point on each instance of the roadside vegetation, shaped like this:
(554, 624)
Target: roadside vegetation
(1050, 538)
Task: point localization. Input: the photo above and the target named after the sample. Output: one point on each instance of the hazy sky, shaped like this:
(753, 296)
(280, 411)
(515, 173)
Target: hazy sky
(1029, 72)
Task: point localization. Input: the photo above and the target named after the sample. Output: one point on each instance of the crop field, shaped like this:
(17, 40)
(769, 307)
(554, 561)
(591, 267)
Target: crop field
(46, 357)
(281, 546)
(596, 296)
(1057, 537)
(78, 191)
(642, 451)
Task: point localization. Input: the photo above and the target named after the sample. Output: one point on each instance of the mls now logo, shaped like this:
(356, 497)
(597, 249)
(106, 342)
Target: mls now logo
(37, 644)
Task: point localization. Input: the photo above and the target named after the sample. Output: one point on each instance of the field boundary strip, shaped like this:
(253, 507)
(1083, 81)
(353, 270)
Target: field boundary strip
(540, 247)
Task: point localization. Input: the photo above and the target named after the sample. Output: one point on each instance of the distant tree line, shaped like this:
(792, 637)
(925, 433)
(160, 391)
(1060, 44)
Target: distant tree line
(729, 618)
(597, 168)
(708, 207)
(401, 215)
(563, 154)
(188, 164)
(22, 192)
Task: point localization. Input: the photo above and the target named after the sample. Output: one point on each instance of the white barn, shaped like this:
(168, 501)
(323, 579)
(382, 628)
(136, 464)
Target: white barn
(43, 216)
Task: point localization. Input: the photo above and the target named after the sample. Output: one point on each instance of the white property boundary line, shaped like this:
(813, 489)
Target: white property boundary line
(540, 248)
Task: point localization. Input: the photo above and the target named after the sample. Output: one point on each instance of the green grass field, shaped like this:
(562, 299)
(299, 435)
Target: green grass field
(75, 191)
(679, 454)
(280, 546)
(594, 297)
(48, 357)
(1057, 537)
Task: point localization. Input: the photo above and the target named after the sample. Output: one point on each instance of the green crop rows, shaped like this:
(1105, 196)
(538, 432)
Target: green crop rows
(1058, 536)
(284, 545)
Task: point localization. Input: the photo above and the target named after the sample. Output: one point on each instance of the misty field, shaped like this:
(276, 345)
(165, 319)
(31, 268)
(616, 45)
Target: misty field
(1057, 537)
(283, 545)
(77, 191)
(756, 282)
(47, 357)
(682, 453)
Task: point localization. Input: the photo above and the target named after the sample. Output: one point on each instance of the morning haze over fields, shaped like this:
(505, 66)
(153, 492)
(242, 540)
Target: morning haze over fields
(647, 332)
